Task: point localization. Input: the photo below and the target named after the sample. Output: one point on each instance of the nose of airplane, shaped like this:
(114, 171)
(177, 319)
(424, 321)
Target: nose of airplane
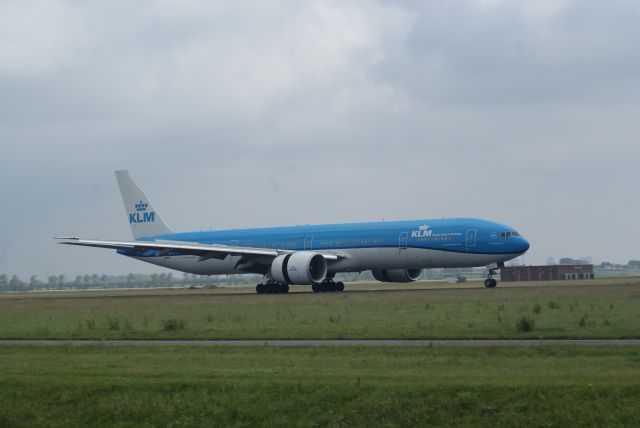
(523, 245)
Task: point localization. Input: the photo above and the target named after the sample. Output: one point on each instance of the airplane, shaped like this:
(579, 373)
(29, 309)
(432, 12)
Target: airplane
(394, 251)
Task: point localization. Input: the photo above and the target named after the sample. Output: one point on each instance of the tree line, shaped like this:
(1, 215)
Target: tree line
(131, 280)
(134, 280)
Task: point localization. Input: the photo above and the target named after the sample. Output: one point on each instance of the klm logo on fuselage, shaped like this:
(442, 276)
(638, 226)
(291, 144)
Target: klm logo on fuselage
(422, 232)
(142, 215)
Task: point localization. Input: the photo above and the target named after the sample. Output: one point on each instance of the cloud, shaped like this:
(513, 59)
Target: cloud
(519, 52)
(39, 38)
(196, 63)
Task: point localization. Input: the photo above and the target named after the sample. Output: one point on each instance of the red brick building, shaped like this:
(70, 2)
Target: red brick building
(546, 273)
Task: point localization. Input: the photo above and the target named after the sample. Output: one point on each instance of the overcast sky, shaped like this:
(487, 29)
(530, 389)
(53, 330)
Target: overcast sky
(260, 113)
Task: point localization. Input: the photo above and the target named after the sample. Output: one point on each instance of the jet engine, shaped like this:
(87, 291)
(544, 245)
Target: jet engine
(397, 275)
(302, 267)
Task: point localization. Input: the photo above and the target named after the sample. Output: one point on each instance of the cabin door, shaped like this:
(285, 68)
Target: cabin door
(470, 241)
(308, 243)
(402, 240)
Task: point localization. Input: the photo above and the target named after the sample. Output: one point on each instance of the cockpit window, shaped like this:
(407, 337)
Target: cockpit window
(508, 234)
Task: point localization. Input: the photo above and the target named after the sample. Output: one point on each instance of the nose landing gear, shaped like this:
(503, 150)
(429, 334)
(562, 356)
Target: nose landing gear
(491, 282)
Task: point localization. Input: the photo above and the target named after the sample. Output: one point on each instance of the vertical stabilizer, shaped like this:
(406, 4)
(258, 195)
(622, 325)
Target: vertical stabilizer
(141, 214)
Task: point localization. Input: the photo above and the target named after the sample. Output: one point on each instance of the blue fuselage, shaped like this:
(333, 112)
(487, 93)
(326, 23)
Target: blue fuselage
(463, 235)
(416, 244)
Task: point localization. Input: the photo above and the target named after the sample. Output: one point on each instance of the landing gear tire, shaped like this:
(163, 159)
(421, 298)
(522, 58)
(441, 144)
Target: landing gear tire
(490, 283)
(272, 287)
(327, 286)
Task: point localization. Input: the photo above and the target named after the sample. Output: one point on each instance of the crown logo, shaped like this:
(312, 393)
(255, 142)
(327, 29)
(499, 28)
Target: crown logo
(141, 206)
(425, 227)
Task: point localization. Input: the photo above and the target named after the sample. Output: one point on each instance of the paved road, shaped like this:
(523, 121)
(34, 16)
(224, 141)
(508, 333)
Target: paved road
(309, 343)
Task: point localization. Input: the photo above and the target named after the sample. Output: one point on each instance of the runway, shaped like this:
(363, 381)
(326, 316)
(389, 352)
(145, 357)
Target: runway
(117, 294)
(318, 343)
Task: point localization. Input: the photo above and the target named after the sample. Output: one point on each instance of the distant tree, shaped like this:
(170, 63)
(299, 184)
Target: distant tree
(35, 283)
(60, 281)
(95, 279)
(634, 264)
(170, 278)
(104, 278)
(16, 284)
(4, 283)
(130, 279)
(52, 282)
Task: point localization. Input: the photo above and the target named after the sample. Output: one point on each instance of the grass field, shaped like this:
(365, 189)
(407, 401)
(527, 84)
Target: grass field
(341, 387)
(587, 309)
(325, 386)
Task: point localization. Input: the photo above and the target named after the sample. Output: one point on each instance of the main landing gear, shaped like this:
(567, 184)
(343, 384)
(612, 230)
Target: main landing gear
(490, 282)
(328, 286)
(272, 287)
(275, 287)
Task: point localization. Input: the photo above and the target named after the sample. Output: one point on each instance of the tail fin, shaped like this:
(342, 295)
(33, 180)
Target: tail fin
(142, 215)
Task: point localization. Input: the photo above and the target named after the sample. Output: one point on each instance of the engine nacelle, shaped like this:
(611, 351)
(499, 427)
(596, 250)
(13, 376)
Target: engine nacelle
(397, 275)
(302, 267)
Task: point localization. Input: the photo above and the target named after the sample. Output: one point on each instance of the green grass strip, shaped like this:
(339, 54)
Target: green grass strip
(266, 386)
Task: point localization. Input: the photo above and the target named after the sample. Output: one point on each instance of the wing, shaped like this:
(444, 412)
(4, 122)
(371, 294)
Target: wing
(204, 251)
